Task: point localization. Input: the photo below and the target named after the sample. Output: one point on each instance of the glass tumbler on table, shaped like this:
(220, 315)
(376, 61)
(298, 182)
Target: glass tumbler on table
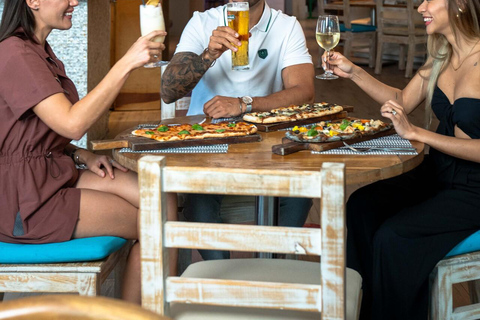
(238, 16)
(151, 19)
(328, 36)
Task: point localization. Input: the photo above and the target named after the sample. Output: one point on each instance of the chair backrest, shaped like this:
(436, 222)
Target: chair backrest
(338, 8)
(400, 18)
(328, 184)
(168, 110)
(72, 307)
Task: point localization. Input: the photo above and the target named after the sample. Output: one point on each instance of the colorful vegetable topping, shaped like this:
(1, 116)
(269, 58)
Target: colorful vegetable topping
(197, 127)
(220, 130)
(312, 132)
(184, 132)
(231, 125)
(149, 132)
(162, 128)
(345, 123)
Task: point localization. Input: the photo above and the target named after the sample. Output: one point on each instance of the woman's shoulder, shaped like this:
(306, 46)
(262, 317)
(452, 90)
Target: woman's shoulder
(12, 46)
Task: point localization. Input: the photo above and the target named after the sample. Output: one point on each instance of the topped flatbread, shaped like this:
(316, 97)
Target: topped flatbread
(328, 131)
(197, 131)
(293, 113)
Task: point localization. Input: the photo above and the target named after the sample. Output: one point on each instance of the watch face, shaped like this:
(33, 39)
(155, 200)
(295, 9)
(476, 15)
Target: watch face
(247, 99)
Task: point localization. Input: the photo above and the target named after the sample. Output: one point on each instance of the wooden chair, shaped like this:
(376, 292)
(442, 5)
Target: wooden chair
(44, 268)
(72, 307)
(354, 35)
(403, 26)
(245, 288)
(462, 264)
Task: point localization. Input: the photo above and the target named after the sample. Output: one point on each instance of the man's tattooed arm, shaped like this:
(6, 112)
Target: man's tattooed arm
(182, 75)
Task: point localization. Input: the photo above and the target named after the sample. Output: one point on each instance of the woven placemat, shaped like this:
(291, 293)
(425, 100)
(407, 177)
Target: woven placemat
(387, 141)
(216, 148)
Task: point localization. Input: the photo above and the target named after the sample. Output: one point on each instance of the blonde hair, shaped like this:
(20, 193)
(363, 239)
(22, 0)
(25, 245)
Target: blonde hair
(463, 16)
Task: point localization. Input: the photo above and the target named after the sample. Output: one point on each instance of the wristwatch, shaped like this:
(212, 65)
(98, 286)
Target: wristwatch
(248, 101)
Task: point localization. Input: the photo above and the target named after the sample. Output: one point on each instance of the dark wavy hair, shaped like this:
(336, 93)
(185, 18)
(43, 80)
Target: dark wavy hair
(17, 14)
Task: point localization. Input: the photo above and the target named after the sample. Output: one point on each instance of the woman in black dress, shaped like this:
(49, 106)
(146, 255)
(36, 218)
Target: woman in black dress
(398, 229)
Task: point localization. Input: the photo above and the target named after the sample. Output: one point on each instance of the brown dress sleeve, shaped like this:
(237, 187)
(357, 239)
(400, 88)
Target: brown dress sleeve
(24, 68)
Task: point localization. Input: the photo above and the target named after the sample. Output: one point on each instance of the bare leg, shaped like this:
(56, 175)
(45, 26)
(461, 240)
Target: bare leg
(113, 210)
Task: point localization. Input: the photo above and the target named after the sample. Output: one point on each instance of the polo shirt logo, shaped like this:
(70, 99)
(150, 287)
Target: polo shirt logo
(263, 53)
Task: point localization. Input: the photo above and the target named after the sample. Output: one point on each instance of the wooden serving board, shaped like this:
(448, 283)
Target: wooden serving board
(269, 127)
(288, 146)
(143, 144)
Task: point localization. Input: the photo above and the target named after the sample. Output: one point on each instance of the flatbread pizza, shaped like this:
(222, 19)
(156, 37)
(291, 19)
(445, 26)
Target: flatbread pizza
(328, 131)
(196, 131)
(293, 113)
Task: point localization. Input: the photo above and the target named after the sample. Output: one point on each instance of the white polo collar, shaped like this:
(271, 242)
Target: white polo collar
(262, 25)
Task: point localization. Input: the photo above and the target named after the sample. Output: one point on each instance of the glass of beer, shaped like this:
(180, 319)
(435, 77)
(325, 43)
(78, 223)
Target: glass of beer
(328, 35)
(238, 19)
(151, 19)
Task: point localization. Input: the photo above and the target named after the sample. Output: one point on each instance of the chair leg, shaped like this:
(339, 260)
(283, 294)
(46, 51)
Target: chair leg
(410, 58)
(401, 58)
(2, 295)
(378, 62)
(320, 53)
(441, 303)
(89, 285)
(347, 49)
(371, 59)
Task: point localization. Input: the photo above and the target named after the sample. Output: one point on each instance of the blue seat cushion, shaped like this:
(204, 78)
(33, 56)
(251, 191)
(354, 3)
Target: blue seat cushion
(358, 28)
(470, 244)
(85, 249)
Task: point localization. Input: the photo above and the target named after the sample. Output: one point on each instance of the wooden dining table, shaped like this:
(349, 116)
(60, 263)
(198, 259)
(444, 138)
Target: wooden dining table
(360, 169)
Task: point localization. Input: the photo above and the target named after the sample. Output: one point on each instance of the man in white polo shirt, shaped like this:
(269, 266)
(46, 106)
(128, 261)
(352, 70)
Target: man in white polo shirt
(281, 73)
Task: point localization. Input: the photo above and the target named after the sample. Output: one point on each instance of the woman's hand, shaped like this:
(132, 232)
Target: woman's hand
(144, 50)
(338, 64)
(395, 112)
(98, 164)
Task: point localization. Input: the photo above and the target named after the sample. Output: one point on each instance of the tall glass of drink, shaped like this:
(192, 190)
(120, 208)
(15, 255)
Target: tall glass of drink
(238, 19)
(151, 19)
(328, 35)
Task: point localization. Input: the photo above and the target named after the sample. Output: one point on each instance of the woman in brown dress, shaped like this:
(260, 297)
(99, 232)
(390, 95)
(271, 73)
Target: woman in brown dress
(43, 197)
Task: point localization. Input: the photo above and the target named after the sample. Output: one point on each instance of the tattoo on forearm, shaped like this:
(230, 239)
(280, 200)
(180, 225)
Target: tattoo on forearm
(182, 75)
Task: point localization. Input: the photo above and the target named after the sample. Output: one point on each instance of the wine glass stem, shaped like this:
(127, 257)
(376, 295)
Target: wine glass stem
(328, 71)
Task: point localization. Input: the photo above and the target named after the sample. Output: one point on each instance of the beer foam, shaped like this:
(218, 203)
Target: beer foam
(237, 9)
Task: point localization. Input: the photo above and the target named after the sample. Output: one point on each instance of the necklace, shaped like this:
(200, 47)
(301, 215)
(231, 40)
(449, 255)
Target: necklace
(455, 69)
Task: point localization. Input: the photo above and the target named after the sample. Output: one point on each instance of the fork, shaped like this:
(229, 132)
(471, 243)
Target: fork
(367, 149)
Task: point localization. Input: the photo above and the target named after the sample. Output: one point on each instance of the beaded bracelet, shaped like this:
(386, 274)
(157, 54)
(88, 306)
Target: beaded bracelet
(211, 63)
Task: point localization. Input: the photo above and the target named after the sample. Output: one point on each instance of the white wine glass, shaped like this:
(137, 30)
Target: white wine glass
(151, 19)
(328, 35)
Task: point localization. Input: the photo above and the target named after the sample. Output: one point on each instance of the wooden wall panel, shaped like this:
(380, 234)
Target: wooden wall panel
(142, 89)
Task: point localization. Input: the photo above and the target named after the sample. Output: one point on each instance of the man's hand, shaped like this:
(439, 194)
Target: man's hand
(222, 39)
(220, 107)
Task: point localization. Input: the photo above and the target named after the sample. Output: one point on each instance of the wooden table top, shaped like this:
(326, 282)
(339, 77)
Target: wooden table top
(258, 155)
